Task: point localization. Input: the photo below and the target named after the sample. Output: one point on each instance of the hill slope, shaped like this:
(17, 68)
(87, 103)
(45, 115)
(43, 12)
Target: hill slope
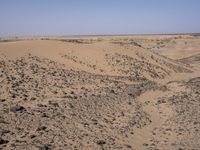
(98, 93)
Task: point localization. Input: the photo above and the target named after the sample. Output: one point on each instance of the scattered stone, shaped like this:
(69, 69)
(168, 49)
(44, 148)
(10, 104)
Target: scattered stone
(112, 91)
(2, 141)
(33, 98)
(145, 144)
(2, 100)
(128, 146)
(100, 142)
(36, 79)
(17, 108)
(45, 147)
(40, 128)
(32, 136)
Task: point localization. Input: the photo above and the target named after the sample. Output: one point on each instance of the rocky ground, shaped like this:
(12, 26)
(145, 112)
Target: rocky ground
(45, 105)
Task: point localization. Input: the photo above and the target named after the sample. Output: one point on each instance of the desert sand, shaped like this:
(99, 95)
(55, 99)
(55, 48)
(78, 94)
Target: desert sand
(100, 93)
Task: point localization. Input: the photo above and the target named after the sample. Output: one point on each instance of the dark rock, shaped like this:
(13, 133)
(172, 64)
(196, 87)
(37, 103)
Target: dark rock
(17, 108)
(13, 96)
(128, 146)
(145, 144)
(131, 94)
(45, 115)
(39, 105)
(40, 128)
(112, 91)
(95, 122)
(4, 132)
(100, 142)
(2, 100)
(2, 141)
(161, 101)
(32, 136)
(45, 147)
(33, 98)
(25, 95)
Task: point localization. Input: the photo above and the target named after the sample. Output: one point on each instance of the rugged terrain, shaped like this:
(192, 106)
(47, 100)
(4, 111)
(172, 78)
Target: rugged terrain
(106, 92)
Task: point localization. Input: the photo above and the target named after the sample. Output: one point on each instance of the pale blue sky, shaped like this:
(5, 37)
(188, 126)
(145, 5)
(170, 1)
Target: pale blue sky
(89, 17)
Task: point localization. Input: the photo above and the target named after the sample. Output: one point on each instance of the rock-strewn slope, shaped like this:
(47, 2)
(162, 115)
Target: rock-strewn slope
(181, 130)
(47, 104)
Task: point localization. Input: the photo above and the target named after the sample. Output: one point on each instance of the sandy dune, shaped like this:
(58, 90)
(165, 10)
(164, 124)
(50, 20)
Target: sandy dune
(104, 92)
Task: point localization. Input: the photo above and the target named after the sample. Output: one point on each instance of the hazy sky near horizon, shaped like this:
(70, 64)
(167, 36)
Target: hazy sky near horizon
(89, 17)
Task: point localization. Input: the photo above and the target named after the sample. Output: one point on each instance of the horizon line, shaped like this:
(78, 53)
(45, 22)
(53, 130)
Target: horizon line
(99, 35)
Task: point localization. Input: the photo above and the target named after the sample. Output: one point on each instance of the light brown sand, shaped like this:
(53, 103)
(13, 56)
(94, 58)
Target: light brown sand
(105, 92)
